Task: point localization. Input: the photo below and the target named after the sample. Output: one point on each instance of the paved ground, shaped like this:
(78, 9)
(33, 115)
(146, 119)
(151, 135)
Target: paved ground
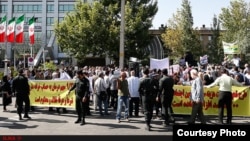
(50, 123)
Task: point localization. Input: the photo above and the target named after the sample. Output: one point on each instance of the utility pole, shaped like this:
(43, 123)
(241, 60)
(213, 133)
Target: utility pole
(121, 54)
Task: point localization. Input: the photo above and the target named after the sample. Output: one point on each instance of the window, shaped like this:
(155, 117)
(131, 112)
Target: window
(49, 33)
(38, 36)
(65, 8)
(30, 8)
(14, 8)
(3, 8)
(60, 19)
(201, 38)
(38, 19)
(50, 8)
(19, 8)
(50, 21)
(209, 38)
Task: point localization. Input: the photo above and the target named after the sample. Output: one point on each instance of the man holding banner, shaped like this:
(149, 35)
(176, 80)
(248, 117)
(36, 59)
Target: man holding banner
(225, 84)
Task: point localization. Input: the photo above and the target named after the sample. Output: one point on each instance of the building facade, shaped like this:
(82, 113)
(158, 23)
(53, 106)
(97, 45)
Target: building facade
(46, 12)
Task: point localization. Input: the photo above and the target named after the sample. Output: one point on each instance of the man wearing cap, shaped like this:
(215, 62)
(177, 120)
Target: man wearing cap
(21, 88)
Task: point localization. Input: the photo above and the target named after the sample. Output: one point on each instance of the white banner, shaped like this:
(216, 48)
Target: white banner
(159, 64)
(203, 60)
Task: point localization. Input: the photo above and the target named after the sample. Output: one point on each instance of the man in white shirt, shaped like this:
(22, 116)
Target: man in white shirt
(225, 83)
(133, 86)
(100, 89)
(236, 60)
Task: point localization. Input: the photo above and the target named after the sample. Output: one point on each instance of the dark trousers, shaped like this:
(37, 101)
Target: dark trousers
(148, 104)
(6, 100)
(102, 99)
(225, 98)
(87, 107)
(134, 101)
(197, 110)
(158, 107)
(166, 102)
(81, 108)
(20, 98)
(108, 96)
(114, 96)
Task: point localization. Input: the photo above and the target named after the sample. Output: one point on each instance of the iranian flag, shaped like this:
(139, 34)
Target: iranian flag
(2, 29)
(10, 30)
(31, 30)
(19, 29)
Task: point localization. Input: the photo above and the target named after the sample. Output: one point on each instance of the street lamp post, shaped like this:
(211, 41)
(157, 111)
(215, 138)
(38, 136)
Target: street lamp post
(121, 54)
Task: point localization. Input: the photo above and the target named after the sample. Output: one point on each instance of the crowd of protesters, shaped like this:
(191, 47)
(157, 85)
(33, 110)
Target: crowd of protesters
(111, 88)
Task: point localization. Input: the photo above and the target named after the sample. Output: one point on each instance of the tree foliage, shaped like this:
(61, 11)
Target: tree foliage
(235, 20)
(180, 36)
(214, 48)
(172, 36)
(95, 28)
(85, 30)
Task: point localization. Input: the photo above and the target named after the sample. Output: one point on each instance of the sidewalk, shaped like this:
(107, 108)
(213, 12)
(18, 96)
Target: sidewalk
(50, 123)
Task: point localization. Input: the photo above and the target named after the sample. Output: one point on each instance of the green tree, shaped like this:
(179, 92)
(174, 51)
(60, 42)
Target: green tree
(171, 37)
(138, 19)
(95, 28)
(89, 29)
(190, 37)
(214, 48)
(180, 36)
(235, 21)
(50, 65)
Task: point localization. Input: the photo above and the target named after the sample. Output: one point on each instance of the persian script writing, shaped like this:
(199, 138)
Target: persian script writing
(51, 87)
(54, 99)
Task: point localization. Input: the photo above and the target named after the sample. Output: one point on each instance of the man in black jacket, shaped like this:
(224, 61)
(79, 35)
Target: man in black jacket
(21, 88)
(148, 99)
(166, 94)
(81, 87)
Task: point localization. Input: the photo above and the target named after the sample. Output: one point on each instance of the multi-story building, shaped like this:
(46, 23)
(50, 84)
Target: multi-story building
(46, 12)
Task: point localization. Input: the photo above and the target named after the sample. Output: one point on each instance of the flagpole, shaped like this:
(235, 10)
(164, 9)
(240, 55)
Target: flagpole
(5, 60)
(14, 58)
(31, 54)
(31, 50)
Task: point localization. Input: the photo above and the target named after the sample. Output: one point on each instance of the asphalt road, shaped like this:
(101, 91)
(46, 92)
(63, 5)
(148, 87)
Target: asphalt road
(44, 122)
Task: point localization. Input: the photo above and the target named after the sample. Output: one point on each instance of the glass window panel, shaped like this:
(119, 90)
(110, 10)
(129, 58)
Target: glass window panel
(49, 32)
(39, 8)
(30, 8)
(61, 7)
(39, 20)
(35, 7)
(71, 7)
(60, 19)
(50, 8)
(66, 8)
(15, 8)
(25, 8)
(20, 8)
